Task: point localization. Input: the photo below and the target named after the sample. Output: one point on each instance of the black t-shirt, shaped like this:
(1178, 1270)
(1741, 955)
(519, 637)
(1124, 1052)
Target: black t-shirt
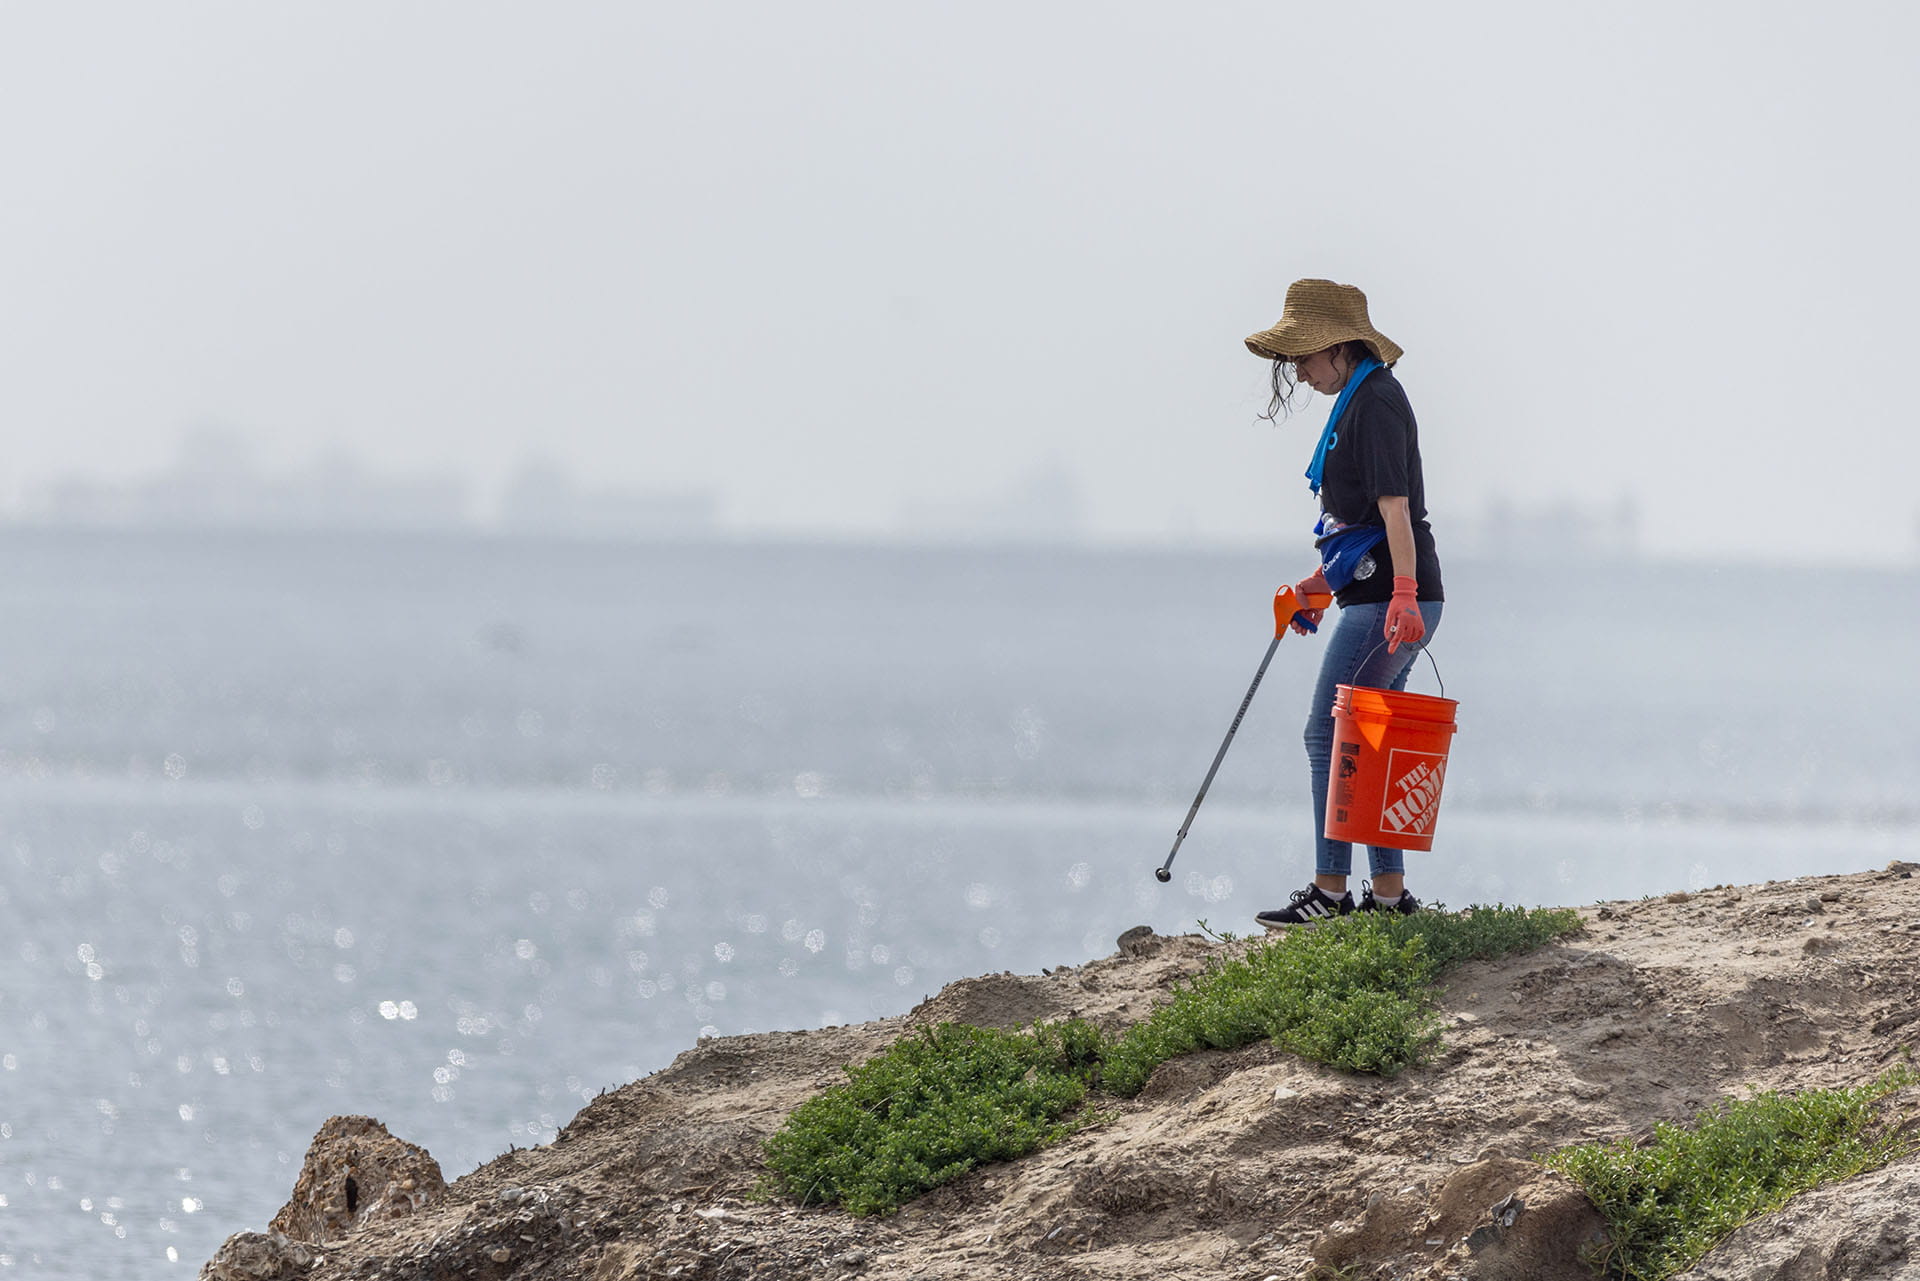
(1378, 453)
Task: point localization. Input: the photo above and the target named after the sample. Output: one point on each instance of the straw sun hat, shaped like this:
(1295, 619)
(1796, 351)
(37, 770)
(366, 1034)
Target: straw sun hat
(1318, 314)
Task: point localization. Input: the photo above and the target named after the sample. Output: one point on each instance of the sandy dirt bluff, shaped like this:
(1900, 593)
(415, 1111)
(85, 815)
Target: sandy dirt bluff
(1244, 1165)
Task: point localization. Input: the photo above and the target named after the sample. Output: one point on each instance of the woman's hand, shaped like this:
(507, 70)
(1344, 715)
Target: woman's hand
(1404, 624)
(1314, 584)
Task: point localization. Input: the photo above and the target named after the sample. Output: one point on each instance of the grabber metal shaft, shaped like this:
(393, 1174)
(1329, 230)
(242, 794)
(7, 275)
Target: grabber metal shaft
(1165, 871)
(1285, 603)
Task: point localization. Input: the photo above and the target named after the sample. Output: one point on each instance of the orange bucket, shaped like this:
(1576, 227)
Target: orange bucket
(1389, 761)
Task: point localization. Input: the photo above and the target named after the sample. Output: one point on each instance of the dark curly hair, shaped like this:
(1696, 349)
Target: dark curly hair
(1284, 386)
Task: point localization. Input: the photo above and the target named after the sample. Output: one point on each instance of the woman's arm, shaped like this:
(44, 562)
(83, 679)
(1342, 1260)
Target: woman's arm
(1404, 625)
(1400, 536)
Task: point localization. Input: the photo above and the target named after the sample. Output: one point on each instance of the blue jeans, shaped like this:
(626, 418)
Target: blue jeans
(1356, 655)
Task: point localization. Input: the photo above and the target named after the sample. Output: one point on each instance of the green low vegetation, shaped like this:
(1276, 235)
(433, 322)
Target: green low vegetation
(1352, 993)
(932, 1107)
(1668, 1203)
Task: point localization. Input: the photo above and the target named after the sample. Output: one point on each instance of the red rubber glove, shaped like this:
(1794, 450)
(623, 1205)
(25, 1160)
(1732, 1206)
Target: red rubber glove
(1308, 620)
(1404, 626)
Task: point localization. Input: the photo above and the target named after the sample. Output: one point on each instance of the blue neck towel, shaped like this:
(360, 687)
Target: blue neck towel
(1329, 435)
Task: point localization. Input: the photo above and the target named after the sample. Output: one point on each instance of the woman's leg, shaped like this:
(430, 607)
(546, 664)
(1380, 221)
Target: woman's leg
(1354, 631)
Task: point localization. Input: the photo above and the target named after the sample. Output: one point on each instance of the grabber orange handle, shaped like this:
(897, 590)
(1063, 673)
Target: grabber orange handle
(1286, 604)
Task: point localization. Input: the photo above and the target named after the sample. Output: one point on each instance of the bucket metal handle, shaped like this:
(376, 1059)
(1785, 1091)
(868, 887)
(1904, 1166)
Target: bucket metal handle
(1424, 649)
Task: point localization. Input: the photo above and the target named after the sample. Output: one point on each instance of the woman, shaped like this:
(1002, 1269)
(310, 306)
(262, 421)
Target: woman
(1376, 552)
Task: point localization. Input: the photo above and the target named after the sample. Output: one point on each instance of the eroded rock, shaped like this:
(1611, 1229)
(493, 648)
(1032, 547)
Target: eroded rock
(1522, 1222)
(1505, 1219)
(259, 1256)
(1862, 1229)
(355, 1174)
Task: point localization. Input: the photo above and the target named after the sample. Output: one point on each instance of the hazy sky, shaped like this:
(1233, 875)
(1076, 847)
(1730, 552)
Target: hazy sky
(833, 261)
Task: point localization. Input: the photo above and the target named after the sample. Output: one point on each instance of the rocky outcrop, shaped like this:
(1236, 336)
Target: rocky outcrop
(1239, 1165)
(1866, 1229)
(260, 1256)
(1499, 1219)
(356, 1174)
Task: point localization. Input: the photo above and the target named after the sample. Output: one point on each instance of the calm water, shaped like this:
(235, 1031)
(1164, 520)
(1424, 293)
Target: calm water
(458, 832)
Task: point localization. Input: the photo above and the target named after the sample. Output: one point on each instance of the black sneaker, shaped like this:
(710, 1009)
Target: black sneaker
(1406, 906)
(1307, 906)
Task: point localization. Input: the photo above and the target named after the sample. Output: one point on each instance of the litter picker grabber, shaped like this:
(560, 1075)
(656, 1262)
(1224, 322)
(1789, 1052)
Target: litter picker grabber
(1285, 605)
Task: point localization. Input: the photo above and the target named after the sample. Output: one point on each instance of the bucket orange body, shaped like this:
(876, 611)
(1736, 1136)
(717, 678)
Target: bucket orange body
(1389, 761)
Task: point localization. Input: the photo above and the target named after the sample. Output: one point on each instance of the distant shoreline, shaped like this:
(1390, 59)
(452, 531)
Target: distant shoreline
(764, 539)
